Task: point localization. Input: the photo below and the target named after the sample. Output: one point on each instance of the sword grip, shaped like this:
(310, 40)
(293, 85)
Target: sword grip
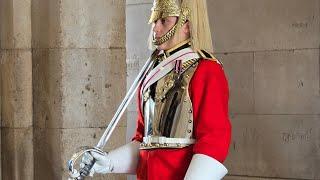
(85, 171)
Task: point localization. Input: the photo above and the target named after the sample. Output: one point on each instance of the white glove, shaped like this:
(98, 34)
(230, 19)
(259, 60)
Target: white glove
(205, 168)
(121, 160)
(102, 165)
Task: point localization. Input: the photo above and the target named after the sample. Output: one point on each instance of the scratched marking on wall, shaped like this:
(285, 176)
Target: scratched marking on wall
(296, 136)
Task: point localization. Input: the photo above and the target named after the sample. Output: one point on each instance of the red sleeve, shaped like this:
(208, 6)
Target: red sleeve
(209, 95)
(140, 122)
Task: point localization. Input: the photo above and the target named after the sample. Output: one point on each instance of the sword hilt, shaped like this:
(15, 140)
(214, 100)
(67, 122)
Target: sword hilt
(84, 171)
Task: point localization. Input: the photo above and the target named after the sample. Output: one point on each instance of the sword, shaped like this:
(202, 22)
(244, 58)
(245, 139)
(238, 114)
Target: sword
(80, 174)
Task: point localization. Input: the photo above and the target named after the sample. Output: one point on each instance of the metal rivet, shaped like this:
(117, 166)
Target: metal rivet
(178, 144)
(190, 121)
(189, 131)
(190, 111)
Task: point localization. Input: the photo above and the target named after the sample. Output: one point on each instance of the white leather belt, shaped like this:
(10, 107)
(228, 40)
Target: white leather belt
(152, 142)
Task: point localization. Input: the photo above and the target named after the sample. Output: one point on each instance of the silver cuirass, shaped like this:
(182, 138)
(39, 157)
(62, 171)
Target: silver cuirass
(167, 110)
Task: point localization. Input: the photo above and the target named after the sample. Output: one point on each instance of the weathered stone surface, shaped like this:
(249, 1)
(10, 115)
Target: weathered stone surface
(282, 146)
(15, 29)
(239, 70)
(138, 2)
(54, 147)
(131, 124)
(79, 24)
(94, 86)
(0, 121)
(16, 74)
(47, 159)
(250, 178)
(137, 17)
(17, 153)
(264, 25)
(46, 24)
(47, 88)
(84, 86)
(287, 82)
(133, 68)
(93, 24)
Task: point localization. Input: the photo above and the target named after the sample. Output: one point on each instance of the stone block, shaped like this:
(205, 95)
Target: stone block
(15, 19)
(239, 71)
(279, 146)
(264, 25)
(47, 88)
(16, 74)
(138, 30)
(54, 147)
(47, 148)
(250, 178)
(133, 69)
(17, 153)
(78, 85)
(287, 82)
(138, 2)
(131, 124)
(46, 24)
(93, 24)
(93, 86)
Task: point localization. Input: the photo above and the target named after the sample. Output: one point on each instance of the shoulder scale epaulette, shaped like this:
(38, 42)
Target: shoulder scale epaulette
(207, 55)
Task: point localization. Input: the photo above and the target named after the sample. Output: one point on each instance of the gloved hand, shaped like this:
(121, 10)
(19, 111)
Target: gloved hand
(101, 164)
(86, 164)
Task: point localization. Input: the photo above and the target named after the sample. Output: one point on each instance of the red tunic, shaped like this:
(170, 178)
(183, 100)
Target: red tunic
(209, 94)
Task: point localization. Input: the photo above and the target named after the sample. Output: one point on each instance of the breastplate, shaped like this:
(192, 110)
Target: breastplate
(168, 111)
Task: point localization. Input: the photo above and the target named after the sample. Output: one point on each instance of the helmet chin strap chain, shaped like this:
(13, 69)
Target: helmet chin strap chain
(85, 171)
(184, 16)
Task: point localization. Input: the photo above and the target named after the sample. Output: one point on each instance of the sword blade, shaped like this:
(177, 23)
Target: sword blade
(124, 104)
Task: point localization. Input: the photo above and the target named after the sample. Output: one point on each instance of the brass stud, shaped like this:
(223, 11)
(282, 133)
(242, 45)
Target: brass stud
(189, 131)
(190, 111)
(190, 121)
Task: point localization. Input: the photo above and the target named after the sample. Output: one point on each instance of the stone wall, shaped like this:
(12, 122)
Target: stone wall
(63, 75)
(270, 51)
(16, 90)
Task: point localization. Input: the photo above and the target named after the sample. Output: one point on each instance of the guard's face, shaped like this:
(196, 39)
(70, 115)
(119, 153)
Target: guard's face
(161, 27)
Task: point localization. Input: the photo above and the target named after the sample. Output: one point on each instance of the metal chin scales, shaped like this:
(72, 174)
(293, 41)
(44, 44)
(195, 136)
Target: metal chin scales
(85, 171)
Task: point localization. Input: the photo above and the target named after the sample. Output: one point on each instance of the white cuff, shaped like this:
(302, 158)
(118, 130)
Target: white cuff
(205, 168)
(125, 158)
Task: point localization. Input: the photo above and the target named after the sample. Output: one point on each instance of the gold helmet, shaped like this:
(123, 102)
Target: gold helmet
(193, 11)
